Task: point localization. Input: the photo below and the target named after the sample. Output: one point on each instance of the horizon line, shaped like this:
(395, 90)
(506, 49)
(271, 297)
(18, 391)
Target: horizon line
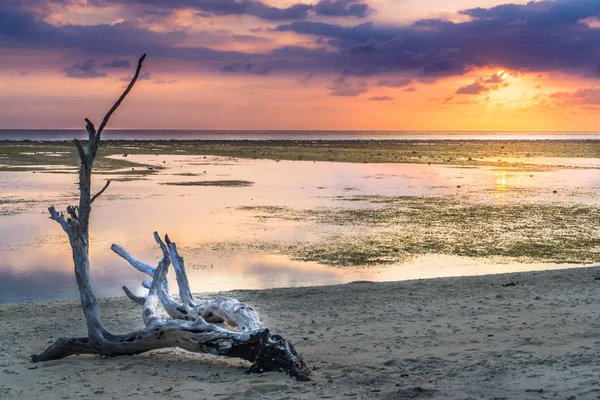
(303, 130)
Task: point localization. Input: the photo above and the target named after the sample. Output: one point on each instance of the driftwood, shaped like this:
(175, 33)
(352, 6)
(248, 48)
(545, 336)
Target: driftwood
(193, 326)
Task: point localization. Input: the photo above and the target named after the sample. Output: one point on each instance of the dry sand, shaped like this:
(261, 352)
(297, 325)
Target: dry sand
(463, 338)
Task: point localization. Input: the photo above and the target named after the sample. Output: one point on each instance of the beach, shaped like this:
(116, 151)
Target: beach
(533, 335)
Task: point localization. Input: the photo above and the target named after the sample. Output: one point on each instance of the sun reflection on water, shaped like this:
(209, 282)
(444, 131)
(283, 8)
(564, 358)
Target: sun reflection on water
(35, 258)
(501, 187)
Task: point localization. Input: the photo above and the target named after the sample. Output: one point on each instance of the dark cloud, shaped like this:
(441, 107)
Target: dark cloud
(482, 85)
(363, 71)
(117, 64)
(87, 70)
(342, 8)
(430, 73)
(165, 82)
(344, 86)
(381, 98)
(305, 80)
(395, 83)
(544, 36)
(541, 13)
(347, 35)
(246, 67)
(410, 89)
(254, 8)
(496, 78)
(473, 88)
(144, 76)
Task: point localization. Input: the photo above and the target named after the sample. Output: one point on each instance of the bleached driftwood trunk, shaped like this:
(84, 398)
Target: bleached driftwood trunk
(193, 326)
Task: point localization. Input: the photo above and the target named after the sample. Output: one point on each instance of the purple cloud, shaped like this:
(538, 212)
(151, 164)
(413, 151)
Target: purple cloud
(541, 36)
(395, 83)
(245, 67)
(117, 64)
(381, 98)
(474, 88)
(344, 86)
(87, 70)
(342, 8)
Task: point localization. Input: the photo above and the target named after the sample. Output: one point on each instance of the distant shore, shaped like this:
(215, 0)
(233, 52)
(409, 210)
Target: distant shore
(292, 134)
(520, 154)
(528, 335)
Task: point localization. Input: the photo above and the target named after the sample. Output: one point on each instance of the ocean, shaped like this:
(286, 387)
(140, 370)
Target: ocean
(66, 134)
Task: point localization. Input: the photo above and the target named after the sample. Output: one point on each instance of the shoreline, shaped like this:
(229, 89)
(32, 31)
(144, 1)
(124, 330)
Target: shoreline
(517, 335)
(518, 154)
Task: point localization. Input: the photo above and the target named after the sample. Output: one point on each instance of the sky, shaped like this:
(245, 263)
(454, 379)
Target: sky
(462, 65)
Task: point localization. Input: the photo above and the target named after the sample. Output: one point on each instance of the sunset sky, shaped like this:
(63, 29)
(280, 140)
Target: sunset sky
(303, 64)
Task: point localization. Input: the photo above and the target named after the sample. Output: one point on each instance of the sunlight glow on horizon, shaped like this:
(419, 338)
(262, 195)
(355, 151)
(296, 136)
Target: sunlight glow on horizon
(236, 71)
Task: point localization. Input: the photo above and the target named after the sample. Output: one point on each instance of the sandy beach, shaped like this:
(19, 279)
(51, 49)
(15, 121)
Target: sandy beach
(529, 335)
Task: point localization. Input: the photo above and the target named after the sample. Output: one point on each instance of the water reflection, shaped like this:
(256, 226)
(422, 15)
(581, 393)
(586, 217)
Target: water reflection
(501, 187)
(35, 258)
(239, 272)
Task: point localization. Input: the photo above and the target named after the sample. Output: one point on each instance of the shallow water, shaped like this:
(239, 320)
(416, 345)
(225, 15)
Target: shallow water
(35, 259)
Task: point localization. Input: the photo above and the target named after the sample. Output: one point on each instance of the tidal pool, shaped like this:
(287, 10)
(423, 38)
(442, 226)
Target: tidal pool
(247, 236)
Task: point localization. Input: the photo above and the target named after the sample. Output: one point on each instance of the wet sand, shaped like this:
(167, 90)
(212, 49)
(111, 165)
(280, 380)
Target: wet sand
(533, 335)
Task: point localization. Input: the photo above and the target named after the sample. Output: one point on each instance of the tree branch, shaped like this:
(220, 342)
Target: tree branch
(136, 299)
(81, 152)
(72, 212)
(58, 217)
(89, 126)
(182, 281)
(94, 197)
(118, 102)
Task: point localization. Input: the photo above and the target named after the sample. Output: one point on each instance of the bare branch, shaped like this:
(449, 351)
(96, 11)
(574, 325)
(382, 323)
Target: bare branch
(182, 281)
(174, 309)
(162, 245)
(82, 156)
(118, 102)
(140, 266)
(152, 301)
(94, 197)
(89, 126)
(136, 299)
(72, 212)
(58, 217)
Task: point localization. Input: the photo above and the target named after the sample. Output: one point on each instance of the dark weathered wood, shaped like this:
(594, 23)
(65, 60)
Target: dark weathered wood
(94, 197)
(118, 102)
(193, 327)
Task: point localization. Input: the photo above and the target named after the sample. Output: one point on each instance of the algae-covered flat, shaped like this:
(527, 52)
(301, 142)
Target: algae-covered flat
(385, 230)
(224, 183)
(518, 154)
